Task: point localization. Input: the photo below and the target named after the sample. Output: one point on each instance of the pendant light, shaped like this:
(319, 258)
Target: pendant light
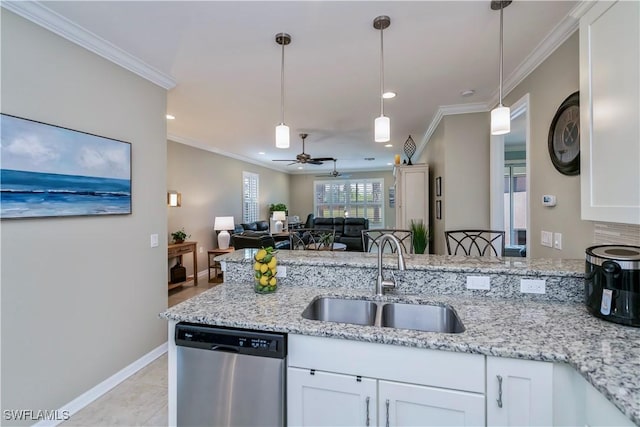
(501, 115)
(282, 130)
(382, 124)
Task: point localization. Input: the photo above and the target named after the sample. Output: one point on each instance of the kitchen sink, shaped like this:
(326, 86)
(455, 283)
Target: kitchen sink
(428, 318)
(341, 310)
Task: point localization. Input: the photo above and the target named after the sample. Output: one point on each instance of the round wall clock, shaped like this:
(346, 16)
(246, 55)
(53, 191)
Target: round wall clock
(564, 136)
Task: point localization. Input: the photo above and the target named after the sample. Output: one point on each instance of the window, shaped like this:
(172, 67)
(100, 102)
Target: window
(350, 198)
(250, 196)
(515, 204)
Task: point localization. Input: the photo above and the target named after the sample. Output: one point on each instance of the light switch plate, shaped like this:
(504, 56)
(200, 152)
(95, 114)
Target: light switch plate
(546, 238)
(533, 286)
(281, 271)
(557, 240)
(479, 282)
(154, 241)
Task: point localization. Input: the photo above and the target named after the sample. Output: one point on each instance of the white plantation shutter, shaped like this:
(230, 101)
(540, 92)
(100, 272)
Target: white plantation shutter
(363, 198)
(250, 196)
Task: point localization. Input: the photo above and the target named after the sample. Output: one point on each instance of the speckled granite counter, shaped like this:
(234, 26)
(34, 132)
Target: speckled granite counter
(606, 354)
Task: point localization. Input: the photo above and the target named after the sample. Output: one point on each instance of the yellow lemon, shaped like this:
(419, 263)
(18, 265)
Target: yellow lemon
(257, 266)
(264, 280)
(273, 281)
(272, 263)
(263, 268)
(273, 271)
(261, 254)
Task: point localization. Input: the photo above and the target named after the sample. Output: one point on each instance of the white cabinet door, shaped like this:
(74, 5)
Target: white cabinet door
(519, 392)
(609, 111)
(412, 193)
(326, 399)
(413, 405)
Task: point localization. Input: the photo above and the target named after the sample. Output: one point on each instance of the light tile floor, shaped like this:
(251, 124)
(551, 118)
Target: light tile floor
(140, 400)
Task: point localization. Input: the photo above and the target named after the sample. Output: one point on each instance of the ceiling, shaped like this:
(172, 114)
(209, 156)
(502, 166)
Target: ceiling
(226, 65)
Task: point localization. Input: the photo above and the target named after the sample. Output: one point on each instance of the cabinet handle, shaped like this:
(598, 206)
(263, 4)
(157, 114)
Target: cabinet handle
(499, 400)
(387, 403)
(367, 411)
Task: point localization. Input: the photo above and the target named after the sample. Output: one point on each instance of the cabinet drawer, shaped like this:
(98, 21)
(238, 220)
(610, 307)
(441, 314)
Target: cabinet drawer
(180, 251)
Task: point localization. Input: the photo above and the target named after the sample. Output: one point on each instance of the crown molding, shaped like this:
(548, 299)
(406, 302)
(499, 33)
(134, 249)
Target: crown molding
(196, 144)
(41, 15)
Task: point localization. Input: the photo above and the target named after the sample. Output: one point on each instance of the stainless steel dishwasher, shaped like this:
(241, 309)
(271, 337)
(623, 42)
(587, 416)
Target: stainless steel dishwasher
(230, 377)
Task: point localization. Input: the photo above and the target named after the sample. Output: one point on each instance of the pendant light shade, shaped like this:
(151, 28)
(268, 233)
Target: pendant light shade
(382, 124)
(282, 130)
(501, 115)
(282, 136)
(382, 129)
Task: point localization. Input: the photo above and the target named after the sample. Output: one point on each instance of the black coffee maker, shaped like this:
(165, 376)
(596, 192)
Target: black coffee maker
(612, 283)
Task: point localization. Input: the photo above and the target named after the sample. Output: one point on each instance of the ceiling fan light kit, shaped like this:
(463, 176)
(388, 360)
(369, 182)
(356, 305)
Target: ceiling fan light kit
(282, 130)
(382, 124)
(501, 115)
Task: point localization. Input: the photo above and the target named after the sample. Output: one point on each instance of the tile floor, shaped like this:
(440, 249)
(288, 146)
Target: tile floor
(140, 400)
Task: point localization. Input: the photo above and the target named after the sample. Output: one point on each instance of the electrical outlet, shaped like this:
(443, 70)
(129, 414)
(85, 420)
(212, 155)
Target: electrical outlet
(557, 240)
(281, 271)
(479, 282)
(154, 241)
(533, 286)
(201, 249)
(546, 238)
(223, 266)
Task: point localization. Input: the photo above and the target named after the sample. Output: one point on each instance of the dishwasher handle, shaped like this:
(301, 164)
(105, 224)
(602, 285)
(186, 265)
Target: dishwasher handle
(224, 348)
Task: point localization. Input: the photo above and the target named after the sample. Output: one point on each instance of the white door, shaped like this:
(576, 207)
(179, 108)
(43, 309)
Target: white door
(519, 392)
(324, 399)
(413, 195)
(413, 405)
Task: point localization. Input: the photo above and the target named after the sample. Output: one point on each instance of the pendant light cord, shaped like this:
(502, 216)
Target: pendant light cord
(381, 73)
(501, 55)
(282, 86)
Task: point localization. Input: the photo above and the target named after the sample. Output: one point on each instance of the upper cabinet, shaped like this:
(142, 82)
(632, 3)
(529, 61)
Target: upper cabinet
(412, 195)
(610, 112)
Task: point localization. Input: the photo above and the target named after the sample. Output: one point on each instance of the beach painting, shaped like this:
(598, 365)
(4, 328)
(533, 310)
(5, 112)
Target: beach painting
(50, 171)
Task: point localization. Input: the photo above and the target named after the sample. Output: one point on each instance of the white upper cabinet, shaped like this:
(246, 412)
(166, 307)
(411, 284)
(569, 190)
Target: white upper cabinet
(610, 112)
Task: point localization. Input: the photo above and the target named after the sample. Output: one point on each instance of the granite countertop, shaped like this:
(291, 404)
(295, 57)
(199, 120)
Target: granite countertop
(606, 354)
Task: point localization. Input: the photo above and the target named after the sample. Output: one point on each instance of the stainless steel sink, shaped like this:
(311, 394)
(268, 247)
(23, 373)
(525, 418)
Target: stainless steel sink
(341, 310)
(429, 318)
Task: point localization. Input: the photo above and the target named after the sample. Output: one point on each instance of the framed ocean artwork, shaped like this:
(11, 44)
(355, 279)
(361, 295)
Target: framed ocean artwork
(51, 171)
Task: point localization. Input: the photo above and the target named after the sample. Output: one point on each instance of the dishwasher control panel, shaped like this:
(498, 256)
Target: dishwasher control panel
(240, 341)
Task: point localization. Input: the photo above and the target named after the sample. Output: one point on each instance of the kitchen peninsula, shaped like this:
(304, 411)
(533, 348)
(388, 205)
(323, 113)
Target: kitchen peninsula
(590, 364)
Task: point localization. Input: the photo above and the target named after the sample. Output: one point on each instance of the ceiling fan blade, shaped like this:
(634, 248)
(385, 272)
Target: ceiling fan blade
(288, 160)
(314, 162)
(322, 159)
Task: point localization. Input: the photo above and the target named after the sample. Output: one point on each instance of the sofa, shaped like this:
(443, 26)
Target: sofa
(348, 230)
(255, 235)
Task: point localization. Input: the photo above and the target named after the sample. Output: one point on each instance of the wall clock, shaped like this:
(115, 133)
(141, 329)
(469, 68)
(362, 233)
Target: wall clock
(564, 136)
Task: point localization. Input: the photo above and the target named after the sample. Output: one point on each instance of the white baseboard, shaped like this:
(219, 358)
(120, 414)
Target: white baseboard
(92, 394)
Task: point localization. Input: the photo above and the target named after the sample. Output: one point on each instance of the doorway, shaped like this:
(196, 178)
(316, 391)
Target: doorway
(510, 191)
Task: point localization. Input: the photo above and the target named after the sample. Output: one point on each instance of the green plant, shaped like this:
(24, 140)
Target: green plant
(277, 207)
(180, 235)
(421, 236)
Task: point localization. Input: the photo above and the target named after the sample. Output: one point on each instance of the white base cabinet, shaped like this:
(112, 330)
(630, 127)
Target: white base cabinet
(414, 405)
(519, 392)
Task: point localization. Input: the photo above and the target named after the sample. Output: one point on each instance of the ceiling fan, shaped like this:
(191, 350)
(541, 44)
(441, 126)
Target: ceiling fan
(306, 158)
(334, 173)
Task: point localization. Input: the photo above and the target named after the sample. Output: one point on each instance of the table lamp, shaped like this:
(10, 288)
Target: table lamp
(222, 224)
(278, 217)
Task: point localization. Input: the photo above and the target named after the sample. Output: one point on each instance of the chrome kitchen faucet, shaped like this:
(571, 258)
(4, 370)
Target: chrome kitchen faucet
(381, 283)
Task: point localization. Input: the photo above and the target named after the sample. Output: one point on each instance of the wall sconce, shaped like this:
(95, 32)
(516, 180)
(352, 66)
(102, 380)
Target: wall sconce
(174, 199)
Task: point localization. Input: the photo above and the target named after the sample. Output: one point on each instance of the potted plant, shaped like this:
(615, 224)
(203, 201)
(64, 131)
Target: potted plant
(278, 207)
(180, 236)
(421, 236)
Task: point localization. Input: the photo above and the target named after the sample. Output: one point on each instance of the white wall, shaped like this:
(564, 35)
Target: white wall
(80, 296)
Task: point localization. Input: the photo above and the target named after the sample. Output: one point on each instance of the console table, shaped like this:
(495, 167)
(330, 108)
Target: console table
(176, 250)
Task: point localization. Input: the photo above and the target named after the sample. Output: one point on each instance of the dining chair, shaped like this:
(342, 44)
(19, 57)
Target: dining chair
(312, 239)
(475, 242)
(371, 240)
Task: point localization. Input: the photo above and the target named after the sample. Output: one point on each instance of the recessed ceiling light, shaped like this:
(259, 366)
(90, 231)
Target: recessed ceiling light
(388, 145)
(170, 117)
(389, 164)
(300, 167)
(467, 93)
(389, 95)
(262, 153)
